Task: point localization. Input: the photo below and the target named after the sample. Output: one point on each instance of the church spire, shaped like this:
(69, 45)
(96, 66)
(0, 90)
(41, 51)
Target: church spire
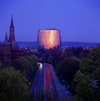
(11, 26)
(6, 39)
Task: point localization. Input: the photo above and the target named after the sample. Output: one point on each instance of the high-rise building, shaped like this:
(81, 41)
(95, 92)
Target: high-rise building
(49, 38)
(11, 39)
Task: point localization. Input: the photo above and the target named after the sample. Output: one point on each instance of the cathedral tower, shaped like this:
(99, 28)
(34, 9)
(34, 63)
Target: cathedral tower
(11, 35)
(11, 39)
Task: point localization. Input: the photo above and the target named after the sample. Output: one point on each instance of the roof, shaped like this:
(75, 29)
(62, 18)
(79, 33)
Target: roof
(50, 29)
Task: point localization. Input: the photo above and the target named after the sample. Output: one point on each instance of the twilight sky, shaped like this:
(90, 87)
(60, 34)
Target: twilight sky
(78, 20)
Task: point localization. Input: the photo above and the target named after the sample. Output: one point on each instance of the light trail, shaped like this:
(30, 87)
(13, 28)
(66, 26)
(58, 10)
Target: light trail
(40, 65)
(48, 89)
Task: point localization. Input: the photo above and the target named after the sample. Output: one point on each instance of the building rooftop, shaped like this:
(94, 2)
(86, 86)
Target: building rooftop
(51, 29)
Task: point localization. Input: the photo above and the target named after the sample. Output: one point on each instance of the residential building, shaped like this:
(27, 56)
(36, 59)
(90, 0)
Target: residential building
(7, 53)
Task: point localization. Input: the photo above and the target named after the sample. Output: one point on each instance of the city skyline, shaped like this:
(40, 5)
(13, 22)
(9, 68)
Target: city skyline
(78, 21)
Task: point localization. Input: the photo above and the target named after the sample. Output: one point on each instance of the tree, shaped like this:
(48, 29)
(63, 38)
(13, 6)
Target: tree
(77, 78)
(95, 56)
(42, 95)
(21, 64)
(12, 86)
(48, 96)
(86, 65)
(68, 53)
(81, 54)
(82, 87)
(96, 74)
(67, 68)
(49, 59)
(25, 64)
(35, 58)
(88, 87)
(31, 62)
(1, 64)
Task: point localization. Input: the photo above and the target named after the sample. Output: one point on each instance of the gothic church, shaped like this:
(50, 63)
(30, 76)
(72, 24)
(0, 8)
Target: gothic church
(11, 39)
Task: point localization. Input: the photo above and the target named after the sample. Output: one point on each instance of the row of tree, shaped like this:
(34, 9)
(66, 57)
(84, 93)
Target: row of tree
(86, 82)
(25, 64)
(13, 86)
(83, 74)
(54, 56)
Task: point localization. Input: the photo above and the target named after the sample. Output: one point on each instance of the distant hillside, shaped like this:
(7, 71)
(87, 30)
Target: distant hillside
(63, 44)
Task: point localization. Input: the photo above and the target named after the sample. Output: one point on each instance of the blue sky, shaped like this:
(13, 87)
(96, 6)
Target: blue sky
(78, 20)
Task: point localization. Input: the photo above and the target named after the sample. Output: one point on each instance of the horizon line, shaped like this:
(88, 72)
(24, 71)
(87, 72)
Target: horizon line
(62, 41)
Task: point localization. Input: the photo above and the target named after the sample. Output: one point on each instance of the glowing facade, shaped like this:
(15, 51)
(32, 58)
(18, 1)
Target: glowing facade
(49, 38)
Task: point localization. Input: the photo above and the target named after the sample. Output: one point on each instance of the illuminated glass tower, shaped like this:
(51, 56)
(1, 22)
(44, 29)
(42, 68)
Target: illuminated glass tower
(49, 38)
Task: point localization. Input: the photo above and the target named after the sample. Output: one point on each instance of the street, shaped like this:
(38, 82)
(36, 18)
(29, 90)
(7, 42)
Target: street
(47, 80)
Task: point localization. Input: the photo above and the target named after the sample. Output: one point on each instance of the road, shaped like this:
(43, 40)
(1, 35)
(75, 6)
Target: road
(60, 89)
(38, 83)
(47, 80)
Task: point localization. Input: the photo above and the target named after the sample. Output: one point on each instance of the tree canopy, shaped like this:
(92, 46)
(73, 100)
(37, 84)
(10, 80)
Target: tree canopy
(25, 64)
(12, 86)
(86, 82)
(67, 68)
(1, 64)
